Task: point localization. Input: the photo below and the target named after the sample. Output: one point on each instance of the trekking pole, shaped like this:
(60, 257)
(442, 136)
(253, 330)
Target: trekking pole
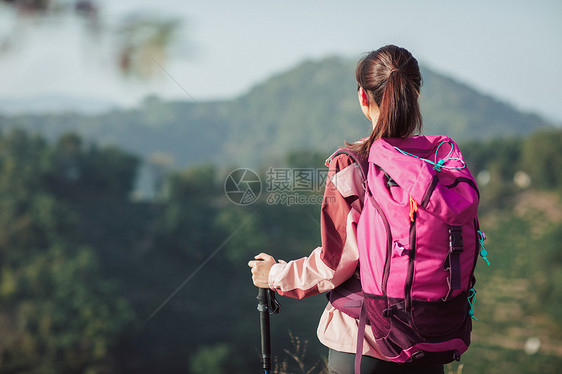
(267, 304)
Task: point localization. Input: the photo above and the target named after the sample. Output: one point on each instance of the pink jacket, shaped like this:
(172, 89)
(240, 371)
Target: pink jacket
(334, 262)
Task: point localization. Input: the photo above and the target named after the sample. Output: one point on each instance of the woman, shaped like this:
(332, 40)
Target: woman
(389, 83)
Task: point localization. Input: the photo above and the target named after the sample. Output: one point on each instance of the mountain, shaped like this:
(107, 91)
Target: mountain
(54, 104)
(312, 106)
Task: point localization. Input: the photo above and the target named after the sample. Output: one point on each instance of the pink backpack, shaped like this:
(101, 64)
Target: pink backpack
(418, 240)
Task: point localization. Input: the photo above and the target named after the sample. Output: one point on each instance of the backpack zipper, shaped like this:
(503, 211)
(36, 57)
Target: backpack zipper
(413, 218)
(410, 274)
(429, 191)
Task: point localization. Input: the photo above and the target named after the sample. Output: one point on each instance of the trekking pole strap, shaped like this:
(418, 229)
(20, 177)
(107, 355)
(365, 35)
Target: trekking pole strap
(272, 304)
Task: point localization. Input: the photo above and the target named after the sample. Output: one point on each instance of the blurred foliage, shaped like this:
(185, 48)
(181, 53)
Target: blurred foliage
(41, 8)
(212, 359)
(548, 279)
(94, 281)
(60, 313)
(541, 159)
(143, 44)
(142, 41)
(297, 360)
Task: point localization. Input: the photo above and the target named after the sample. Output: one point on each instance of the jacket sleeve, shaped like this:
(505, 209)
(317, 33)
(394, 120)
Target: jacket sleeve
(336, 260)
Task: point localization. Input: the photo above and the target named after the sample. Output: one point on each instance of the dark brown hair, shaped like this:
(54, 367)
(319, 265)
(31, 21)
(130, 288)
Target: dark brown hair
(390, 76)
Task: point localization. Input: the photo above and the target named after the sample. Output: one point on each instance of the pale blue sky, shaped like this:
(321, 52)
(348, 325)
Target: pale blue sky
(509, 49)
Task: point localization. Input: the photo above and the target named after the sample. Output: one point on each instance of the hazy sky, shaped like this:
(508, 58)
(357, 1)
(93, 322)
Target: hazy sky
(509, 49)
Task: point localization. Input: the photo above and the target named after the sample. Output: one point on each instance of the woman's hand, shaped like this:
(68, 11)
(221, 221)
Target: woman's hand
(260, 269)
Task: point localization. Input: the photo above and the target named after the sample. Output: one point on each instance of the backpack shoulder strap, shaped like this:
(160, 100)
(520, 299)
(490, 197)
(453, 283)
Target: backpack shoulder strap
(362, 165)
(361, 161)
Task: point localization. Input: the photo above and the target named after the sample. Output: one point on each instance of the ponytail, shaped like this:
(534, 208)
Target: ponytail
(391, 78)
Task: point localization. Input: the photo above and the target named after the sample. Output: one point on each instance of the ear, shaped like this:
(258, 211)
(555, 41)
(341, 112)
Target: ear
(363, 97)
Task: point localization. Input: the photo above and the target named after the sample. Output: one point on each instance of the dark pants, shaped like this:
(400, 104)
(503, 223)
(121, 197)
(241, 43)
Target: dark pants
(343, 363)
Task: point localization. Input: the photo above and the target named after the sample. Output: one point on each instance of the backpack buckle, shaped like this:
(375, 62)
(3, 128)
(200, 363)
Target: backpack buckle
(389, 312)
(455, 239)
(453, 261)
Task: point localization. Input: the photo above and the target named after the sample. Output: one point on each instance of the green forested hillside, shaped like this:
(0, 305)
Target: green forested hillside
(312, 106)
(94, 282)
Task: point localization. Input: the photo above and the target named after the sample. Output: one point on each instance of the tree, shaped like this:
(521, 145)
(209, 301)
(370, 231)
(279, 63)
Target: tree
(542, 159)
(64, 315)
